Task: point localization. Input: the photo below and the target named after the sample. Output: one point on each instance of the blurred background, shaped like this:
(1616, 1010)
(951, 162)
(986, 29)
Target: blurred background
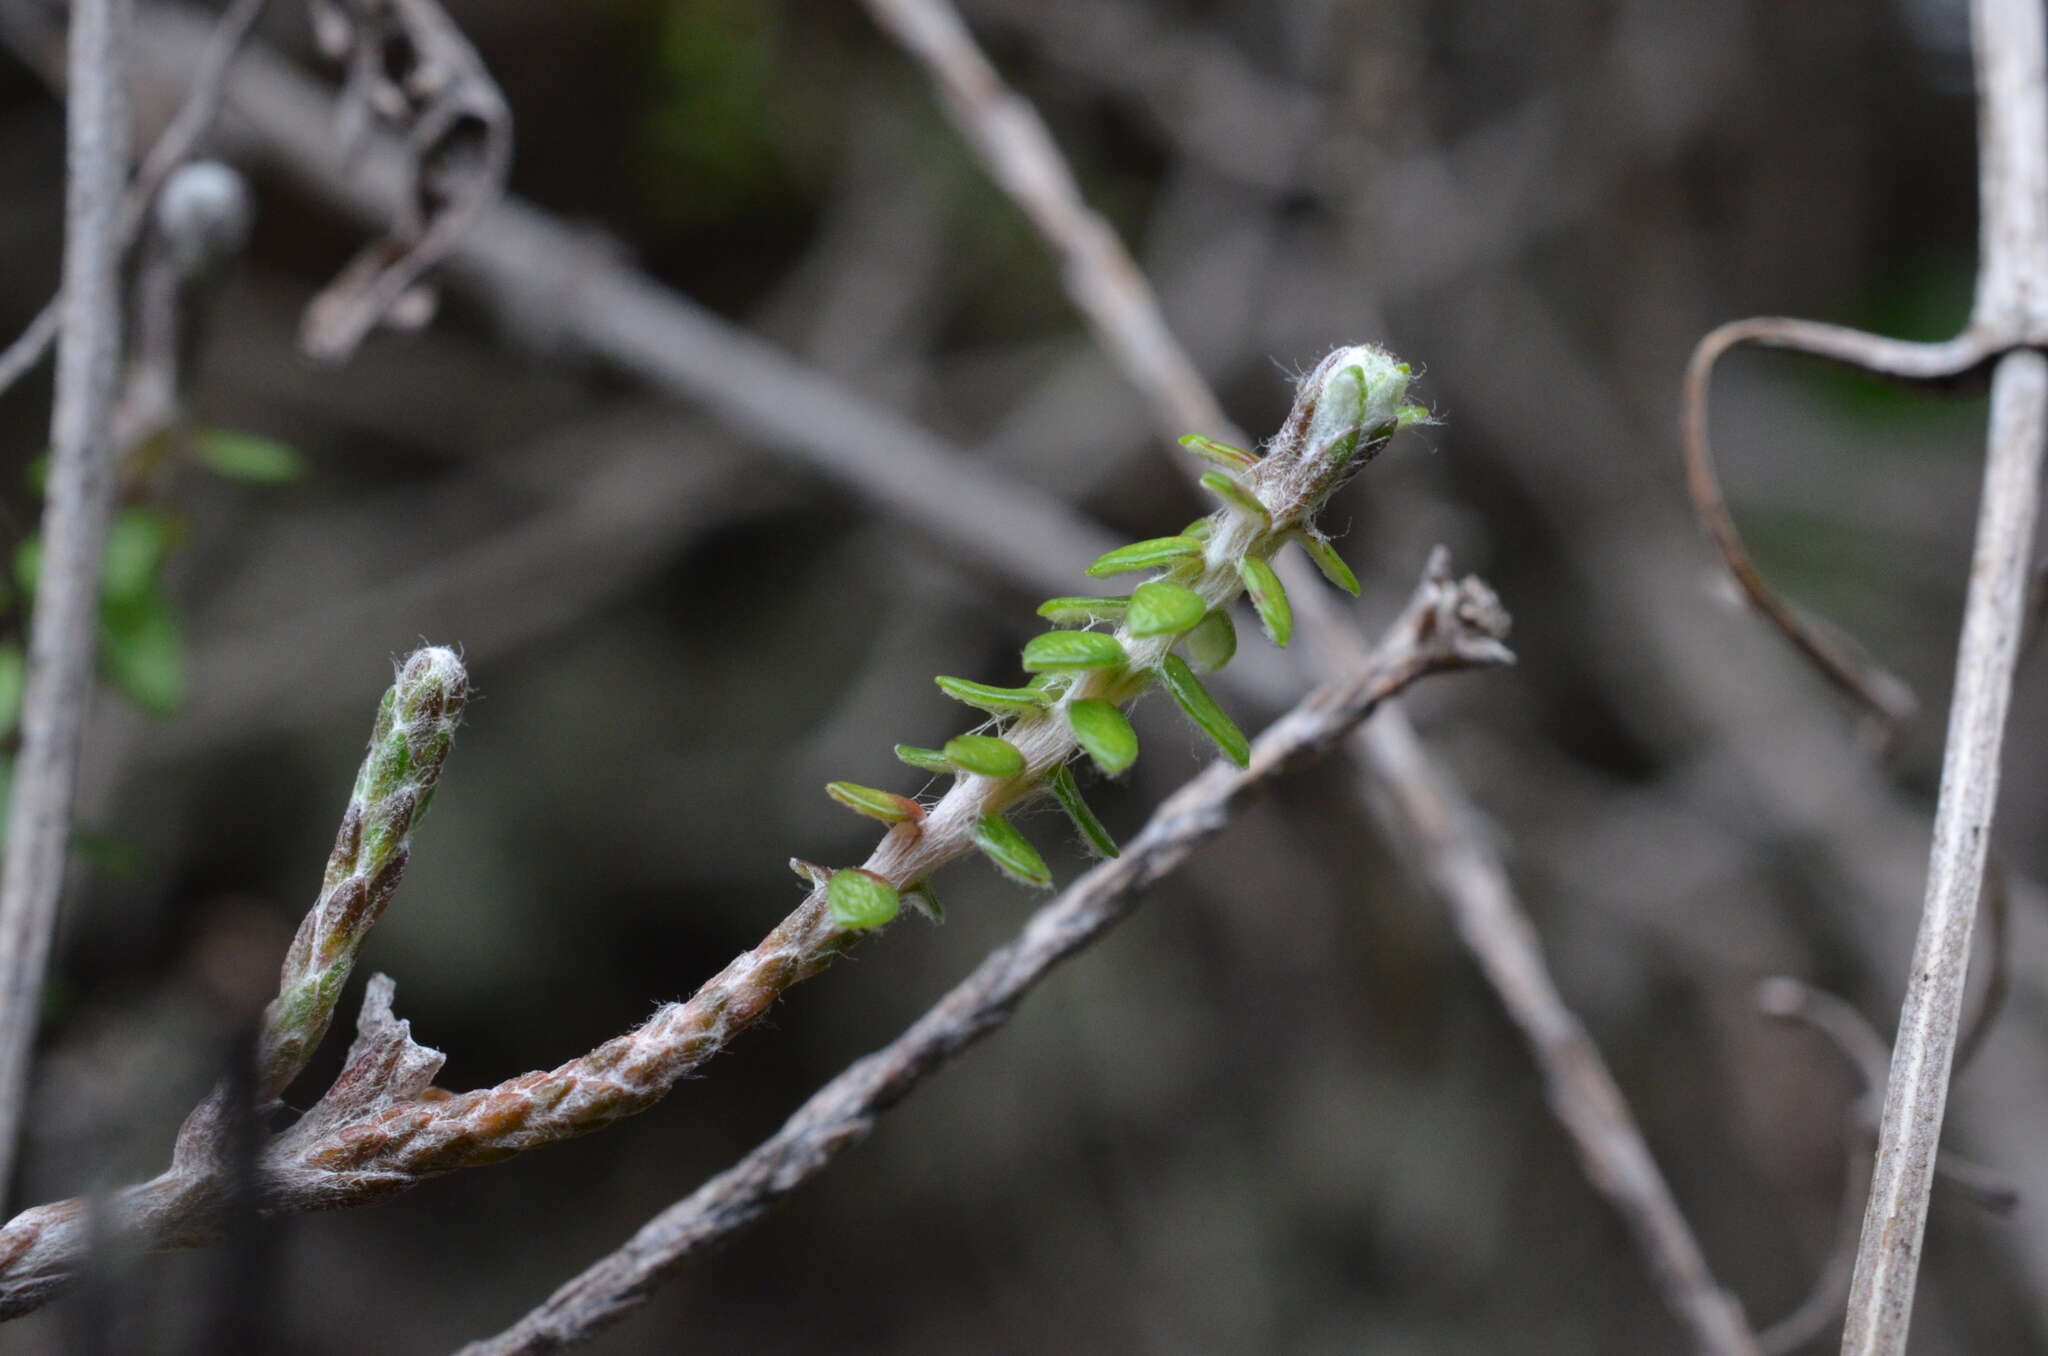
(1279, 1111)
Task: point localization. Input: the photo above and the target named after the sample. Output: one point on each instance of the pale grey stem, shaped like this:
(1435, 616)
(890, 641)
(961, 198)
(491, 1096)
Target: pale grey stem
(1894, 1222)
(1448, 626)
(2011, 306)
(1430, 814)
(81, 490)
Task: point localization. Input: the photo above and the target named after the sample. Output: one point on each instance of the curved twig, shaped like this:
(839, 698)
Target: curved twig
(1941, 366)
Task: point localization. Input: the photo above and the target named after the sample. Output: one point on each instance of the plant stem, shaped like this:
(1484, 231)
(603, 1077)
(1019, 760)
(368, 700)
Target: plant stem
(81, 493)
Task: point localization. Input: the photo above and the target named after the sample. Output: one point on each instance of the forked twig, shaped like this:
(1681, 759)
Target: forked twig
(1446, 626)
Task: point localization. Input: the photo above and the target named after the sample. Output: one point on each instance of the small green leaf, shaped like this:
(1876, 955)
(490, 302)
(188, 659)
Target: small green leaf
(929, 760)
(1069, 796)
(142, 651)
(861, 899)
(1227, 489)
(1328, 561)
(13, 679)
(1269, 598)
(1081, 611)
(1200, 528)
(1223, 454)
(1201, 708)
(1013, 855)
(1160, 608)
(921, 897)
(1211, 644)
(1408, 416)
(985, 755)
(1145, 555)
(28, 564)
(136, 539)
(1104, 732)
(810, 872)
(997, 701)
(1065, 651)
(245, 456)
(886, 806)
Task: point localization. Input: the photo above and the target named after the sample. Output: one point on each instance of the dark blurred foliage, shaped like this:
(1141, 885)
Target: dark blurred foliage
(1279, 1112)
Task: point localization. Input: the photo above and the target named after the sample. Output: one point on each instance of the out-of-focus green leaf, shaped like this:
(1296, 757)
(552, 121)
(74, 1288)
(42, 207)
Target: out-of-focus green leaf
(13, 679)
(1212, 643)
(136, 540)
(142, 651)
(248, 456)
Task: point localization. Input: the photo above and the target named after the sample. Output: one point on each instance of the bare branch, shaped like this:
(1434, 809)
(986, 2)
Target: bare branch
(174, 146)
(81, 490)
(1446, 625)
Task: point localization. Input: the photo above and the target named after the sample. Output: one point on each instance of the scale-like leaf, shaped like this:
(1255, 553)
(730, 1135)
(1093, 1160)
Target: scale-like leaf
(886, 806)
(1066, 651)
(1162, 608)
(1201, 708)
(1212, 643)
(1269, 598)
(1144, 555)
(861, 899)
(1012, 853)
(1069, 796)
(1104, 732)
(997, 701)
(985, 755)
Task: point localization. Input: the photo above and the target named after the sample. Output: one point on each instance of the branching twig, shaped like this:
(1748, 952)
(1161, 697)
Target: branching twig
(1433, 820)
(81, 486)
(1446, 625)
(174, 146)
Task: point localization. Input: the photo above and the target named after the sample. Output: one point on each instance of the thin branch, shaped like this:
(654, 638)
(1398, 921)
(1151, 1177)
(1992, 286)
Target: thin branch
(1106, 284)
(174, 146)
(560, 291)
(1446, 626)
(81, 488)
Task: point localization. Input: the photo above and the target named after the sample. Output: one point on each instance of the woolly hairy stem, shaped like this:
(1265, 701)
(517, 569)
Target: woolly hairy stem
(415, 725)
(1447, 625)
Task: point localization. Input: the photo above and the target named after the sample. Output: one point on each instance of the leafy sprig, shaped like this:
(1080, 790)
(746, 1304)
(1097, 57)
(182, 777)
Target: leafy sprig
(1108, 651)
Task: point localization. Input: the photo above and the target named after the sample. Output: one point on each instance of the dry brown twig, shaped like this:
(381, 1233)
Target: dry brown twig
(409, 66)
(382, 1127)
(1446, 625)
(2008, 322)
(1432, 817)
(63, 628)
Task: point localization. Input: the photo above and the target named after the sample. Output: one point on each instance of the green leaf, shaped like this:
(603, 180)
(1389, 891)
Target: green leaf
(1069, 796)
(1105, 733)
(1013, 855)
(985, 755)
(1328, 561)
(246, 456)
(1160, 608)
(28, 564)
(997, 701)
(1269, 597)
(13, 679)
(930, 760)
(1081, 611)
(861, 899)
(1211, 644)
(1227, 489)
(1200, 529)
(1145, 555)
(1064, 651)
(1223, 454)
(886, 806)
(921, 897)
(142, 651)
(1201, 708)
(1408, 416)
(136, 539)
